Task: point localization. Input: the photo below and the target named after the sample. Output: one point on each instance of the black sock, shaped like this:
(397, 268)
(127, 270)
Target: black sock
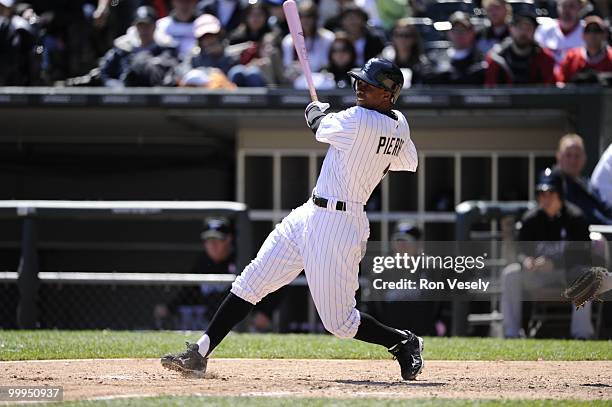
(372, 331)
(233, 310)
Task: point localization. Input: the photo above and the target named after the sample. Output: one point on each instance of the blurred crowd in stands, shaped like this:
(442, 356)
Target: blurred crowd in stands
(234, 43)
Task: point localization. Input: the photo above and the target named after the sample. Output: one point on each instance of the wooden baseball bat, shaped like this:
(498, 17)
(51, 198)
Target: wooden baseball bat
(297, 34)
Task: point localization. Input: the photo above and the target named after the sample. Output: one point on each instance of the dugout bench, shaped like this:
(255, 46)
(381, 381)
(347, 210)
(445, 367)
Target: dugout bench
(471, 213)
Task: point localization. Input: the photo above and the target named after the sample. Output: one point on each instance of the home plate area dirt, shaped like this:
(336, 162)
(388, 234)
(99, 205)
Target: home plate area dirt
(101, 378)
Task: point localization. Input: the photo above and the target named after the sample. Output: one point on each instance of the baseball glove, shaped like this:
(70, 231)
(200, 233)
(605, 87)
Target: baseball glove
(585, 287)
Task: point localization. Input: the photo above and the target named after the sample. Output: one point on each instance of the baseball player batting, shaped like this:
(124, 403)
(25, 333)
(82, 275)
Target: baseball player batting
(325, 236)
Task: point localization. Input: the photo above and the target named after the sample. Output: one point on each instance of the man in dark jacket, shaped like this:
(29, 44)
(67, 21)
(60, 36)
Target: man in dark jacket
(462, 63)
(554, 241)
(130, 62)
(519, 59)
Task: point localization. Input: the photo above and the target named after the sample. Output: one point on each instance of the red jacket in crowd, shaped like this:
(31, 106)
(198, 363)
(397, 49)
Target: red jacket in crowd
(576, 61)
(506, 68)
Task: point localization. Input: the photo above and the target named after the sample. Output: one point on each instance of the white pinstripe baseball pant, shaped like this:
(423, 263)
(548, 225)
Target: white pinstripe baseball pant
(326, 243)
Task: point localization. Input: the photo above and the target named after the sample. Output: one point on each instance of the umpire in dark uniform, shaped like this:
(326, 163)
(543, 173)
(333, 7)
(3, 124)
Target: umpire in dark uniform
(553, 242)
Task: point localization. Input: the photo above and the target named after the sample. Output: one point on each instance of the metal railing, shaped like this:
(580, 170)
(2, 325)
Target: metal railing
(29, 277)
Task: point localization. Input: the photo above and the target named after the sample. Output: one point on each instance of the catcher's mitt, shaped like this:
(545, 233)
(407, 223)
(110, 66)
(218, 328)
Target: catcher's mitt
(585, 287)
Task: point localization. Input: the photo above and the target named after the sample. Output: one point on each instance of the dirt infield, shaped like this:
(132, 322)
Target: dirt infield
(101, 378)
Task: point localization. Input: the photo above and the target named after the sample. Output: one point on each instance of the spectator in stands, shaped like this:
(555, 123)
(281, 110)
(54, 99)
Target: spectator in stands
(317, 40)
(331, 13)
(212, 58)
(277, 20)
(18, 63)
(254, 26)
(601, 179)
(67, 37)
(384, 14)
(341, 60)
(229, 12)
(571, 159)
(587, 63)
(179, 25)
(519, 59)
(406, 51)
(209, 56)
(499, 14)
(124, 62)
(543, 263)
(462, 63)
(246, 41)
(564, 33)
(367, 43)
(270, 61)
(114, 21)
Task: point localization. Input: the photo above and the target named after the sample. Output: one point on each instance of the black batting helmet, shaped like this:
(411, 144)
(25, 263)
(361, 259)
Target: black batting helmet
(382, 74)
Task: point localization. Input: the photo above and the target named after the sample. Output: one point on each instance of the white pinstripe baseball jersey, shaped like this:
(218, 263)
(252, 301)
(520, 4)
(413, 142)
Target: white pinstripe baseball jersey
(325, 242)
(365, 144)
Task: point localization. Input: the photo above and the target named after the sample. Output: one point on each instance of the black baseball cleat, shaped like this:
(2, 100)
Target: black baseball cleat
(188, 362)
(408, 354)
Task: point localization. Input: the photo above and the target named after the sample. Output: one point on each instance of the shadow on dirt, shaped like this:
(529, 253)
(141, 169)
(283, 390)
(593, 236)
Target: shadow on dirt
(596, 385)
(390, 384)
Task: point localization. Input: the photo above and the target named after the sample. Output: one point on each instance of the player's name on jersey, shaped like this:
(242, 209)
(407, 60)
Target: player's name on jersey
(389, 145)
(425, 284)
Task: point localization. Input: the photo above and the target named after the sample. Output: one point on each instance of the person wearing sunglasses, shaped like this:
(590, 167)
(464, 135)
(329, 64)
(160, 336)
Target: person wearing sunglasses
(342, 57)
(586, 64)
(406, 51)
